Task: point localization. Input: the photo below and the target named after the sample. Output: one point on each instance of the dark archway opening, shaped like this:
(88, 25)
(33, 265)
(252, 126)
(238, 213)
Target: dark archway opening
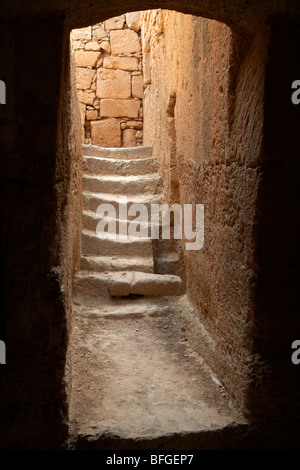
(196, 111)
(40, 172)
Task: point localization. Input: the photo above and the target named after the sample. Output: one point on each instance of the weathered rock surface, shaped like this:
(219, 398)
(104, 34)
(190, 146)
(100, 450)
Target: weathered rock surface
(143, 384)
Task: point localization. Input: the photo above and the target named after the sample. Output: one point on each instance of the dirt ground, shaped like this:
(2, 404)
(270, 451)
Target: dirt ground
(135, 376)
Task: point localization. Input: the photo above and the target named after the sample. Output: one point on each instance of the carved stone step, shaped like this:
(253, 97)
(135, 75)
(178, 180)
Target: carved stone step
(92, 200)
(121, 167)
(117, 263)
(110, 246)
(122, 153)
(91, 219)
(126, 283)
(115, 184)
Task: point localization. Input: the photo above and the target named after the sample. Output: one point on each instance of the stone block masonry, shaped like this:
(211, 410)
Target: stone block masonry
(110, 82)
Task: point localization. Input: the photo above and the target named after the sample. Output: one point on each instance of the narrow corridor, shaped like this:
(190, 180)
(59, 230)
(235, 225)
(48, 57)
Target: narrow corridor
(135, 377)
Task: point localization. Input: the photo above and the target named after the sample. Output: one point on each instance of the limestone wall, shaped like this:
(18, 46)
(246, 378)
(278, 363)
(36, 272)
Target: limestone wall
(203, 111)
(110, 81)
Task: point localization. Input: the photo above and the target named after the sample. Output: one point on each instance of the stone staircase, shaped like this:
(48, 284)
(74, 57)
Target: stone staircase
(136, 383)
(122, 266)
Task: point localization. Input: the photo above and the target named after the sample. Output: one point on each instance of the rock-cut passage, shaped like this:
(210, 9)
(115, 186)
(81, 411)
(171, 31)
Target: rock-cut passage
(136, 383)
